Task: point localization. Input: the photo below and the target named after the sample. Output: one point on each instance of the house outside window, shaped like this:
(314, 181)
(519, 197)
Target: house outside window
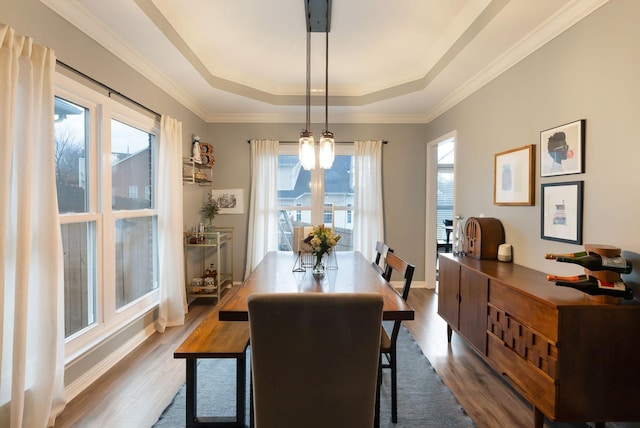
(109, 232)
(319, 196)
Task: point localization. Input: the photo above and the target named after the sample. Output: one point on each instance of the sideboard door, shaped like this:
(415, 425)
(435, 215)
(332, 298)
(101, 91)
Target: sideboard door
(448, 292)
(474, 296)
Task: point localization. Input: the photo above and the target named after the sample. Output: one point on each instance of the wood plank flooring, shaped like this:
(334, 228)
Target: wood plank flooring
(134, 393)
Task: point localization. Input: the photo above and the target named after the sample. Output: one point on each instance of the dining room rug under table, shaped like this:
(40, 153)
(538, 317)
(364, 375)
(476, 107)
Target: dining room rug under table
(423, 399)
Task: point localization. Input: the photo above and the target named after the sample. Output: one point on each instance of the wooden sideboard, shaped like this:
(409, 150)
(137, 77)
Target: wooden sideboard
(573, 359)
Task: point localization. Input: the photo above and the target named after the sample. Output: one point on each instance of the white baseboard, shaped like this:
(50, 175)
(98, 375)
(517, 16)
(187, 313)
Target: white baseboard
(82, 382)
(85, 380)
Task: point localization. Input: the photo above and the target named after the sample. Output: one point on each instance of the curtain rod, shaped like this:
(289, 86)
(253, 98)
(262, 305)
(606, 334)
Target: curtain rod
(337, 142)
(109, 89)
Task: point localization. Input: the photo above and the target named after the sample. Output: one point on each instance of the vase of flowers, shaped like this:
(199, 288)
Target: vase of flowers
(322, 240)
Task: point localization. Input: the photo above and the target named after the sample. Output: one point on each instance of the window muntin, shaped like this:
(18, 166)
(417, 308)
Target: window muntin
(307, 198)
(98, 302)
(72, 131)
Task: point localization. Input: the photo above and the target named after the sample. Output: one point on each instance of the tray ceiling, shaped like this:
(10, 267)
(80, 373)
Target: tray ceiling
(389, 61)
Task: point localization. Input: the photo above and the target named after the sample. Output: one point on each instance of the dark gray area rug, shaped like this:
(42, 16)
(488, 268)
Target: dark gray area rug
(423, 399)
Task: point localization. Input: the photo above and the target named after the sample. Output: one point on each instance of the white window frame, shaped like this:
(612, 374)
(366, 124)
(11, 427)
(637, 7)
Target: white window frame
(102, 110)
(317, 207)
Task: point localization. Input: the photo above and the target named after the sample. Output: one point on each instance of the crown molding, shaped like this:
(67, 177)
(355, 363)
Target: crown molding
(566, 17)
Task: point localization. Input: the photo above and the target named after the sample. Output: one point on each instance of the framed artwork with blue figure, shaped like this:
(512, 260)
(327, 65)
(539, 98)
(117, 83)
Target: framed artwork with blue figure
(562, 149)
(514, 176)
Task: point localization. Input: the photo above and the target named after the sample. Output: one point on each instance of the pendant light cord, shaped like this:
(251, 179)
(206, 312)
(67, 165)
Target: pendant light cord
(326, 70)
(308, 78)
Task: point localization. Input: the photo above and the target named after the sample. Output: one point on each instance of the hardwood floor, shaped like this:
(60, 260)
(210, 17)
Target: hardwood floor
(481, 393)
(136, 390)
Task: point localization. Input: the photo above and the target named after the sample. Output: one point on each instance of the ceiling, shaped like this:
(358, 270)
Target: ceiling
(404, 61)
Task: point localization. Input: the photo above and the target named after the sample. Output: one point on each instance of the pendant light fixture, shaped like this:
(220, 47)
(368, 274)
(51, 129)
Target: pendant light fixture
(306, 144)
(327, 143)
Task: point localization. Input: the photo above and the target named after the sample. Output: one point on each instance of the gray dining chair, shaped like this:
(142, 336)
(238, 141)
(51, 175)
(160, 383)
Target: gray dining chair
(314, 359)
(388, 352)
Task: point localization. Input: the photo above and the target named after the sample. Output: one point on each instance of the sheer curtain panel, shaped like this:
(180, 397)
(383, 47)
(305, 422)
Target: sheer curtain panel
(173, 299)
(262, 235)
(368, 224)
(31, 274)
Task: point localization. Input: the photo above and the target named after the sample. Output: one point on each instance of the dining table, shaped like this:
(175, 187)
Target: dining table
(353, 273)
(350, 272)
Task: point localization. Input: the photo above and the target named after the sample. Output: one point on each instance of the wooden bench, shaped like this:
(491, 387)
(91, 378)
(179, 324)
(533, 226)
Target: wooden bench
(213, 338)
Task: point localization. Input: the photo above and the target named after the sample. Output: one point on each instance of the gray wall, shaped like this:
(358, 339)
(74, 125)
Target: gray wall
(403, 173)
(32, 18)
(589, 72)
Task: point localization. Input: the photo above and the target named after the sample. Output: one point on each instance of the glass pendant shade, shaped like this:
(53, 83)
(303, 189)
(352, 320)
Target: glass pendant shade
(306, 150)
(327, 150)
(306, 144)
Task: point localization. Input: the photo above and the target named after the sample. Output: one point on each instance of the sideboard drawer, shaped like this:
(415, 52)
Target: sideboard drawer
(534, 384)
(525, 309)
(536, 349)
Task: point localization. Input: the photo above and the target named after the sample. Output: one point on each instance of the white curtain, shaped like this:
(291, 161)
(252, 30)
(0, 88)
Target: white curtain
(173, 299)
(368, 224)
(31, 274)
(262, 235)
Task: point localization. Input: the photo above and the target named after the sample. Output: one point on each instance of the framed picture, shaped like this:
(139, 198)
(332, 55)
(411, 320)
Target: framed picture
(514, 176)
(562, 149)
(231, 201)
(561, 217)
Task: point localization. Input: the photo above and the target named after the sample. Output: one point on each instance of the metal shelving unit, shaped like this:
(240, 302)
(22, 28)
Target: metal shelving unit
(215, 246)
(195, 173)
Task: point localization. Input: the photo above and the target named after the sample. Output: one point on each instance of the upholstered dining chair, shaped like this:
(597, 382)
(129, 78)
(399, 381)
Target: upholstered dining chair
(388, 352)
(381, 253)
(314, 359)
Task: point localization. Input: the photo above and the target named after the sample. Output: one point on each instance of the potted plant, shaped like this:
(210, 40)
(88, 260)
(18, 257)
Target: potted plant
(209, 210)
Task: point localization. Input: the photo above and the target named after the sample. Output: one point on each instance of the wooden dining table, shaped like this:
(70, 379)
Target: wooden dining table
(354, 274)
(276, 273)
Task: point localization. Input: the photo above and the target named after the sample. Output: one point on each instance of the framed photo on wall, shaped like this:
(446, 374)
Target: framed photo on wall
(514, 176)
(231, 201)
(562, 149)
(561, 214)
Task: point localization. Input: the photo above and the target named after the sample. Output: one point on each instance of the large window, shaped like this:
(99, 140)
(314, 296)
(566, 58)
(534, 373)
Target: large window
(105, 177)
(319, 196)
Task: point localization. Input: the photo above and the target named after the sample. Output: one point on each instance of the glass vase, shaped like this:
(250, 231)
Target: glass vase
(459, 238)
(318, 267)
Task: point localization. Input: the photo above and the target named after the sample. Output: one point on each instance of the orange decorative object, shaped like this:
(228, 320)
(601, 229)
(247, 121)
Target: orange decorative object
(206, 154)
